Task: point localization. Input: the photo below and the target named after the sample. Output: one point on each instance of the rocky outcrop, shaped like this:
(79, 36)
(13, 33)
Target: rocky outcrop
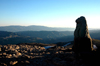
(82, 39)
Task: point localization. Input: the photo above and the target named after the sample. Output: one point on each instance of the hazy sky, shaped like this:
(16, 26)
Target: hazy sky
(52, 13)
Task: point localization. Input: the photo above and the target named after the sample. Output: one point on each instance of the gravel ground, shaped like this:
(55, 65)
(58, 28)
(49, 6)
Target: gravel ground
(37, 55)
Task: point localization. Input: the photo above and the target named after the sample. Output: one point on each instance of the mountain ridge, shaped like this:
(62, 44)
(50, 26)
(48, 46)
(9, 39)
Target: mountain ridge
(33, 28)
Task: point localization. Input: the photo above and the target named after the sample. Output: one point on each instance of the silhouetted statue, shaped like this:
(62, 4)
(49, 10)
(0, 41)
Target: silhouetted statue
(82, 39)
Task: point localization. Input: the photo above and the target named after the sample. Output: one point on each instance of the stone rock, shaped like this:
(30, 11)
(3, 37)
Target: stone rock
(82, 39)
(31, 53)
(13, 54)
(4, 53)
(13, 62)
(27, 61)
(10, 47)
(18, 53)
(17, 47)
(3, 64)
(0, 54)
(10, 55)
(0, 48)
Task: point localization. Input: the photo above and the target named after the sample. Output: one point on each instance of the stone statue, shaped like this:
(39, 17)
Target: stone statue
(82, 39)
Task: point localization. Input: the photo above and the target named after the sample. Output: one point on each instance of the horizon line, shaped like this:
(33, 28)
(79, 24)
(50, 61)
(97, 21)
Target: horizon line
(44, 26)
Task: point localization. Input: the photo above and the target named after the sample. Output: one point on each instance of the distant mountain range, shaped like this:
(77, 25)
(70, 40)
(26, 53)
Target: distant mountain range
(32, 28)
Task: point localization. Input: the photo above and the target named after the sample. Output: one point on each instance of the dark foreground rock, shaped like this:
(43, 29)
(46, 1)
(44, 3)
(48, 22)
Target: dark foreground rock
(37, 55)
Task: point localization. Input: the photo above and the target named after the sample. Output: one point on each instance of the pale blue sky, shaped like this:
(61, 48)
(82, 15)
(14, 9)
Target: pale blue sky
(52, 13)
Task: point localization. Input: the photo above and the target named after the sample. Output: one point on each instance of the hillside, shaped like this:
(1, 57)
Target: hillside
(45, 34)
(33, 36)
(5, 34)
(95, 34)
(46, 37)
